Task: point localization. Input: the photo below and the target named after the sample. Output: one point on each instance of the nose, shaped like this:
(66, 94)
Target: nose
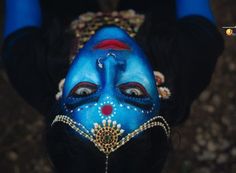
(110, 67)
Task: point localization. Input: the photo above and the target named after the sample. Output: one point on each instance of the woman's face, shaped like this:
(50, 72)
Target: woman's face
(111, 84)
(110, 79)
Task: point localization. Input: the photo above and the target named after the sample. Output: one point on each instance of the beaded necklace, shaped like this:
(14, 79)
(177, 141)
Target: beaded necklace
(106, 135)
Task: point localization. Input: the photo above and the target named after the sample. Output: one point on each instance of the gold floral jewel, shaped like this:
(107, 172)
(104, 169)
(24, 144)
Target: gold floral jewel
(87, 24)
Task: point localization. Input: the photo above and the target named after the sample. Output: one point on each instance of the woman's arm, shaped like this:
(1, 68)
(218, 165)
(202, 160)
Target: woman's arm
(20, 14)
(194, 7)
(24, 54)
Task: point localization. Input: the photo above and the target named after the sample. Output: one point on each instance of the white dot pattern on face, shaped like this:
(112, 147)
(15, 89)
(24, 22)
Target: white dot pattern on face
(107, 102)
(140, 110)
(113, 106)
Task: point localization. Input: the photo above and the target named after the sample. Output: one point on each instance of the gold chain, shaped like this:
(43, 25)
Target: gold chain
(105, 136)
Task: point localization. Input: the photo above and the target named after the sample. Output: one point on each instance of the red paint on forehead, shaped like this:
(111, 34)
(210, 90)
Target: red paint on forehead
(112, 44)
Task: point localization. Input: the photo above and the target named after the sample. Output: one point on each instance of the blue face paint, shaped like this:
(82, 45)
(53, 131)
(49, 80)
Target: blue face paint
(110, 82)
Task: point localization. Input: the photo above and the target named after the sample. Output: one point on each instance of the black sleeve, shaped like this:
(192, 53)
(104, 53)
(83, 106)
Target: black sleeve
(30, 68)
(186, 51)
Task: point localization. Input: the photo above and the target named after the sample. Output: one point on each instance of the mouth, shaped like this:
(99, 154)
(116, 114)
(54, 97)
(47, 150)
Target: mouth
(112, 44)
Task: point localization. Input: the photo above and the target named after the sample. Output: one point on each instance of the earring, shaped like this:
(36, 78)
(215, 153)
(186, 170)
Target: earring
(164, 92)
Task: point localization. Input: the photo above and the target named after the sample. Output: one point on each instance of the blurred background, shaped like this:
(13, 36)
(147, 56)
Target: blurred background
(206, 143)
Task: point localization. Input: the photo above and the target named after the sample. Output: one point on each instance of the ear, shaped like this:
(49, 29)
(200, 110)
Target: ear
(164, 92)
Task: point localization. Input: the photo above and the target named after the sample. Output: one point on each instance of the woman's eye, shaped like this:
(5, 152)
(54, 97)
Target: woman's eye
(134, 92)
(84, 89)
(133, 89)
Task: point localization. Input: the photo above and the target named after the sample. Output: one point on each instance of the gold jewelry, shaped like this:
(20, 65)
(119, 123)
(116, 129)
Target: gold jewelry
(164, 92)
(105, 136)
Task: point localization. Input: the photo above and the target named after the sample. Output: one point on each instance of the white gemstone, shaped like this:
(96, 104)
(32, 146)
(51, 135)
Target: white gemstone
(118, 126)
(121, 131)
(114, 123)
(95, 125)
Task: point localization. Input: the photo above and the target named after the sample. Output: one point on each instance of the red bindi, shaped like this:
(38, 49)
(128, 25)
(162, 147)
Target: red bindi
(107, 110)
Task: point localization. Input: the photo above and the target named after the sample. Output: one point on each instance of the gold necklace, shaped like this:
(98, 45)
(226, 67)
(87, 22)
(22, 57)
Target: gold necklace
(105, 135)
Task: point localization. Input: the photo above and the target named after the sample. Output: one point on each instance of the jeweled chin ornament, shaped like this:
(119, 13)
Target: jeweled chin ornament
(109, 95)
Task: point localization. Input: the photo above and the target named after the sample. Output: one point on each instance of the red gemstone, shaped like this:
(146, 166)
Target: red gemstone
(107, 110)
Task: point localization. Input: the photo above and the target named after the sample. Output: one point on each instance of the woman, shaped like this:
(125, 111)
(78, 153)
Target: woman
(109, 115)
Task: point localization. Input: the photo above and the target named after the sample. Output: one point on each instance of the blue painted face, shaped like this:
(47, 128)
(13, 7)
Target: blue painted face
(110, 79)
